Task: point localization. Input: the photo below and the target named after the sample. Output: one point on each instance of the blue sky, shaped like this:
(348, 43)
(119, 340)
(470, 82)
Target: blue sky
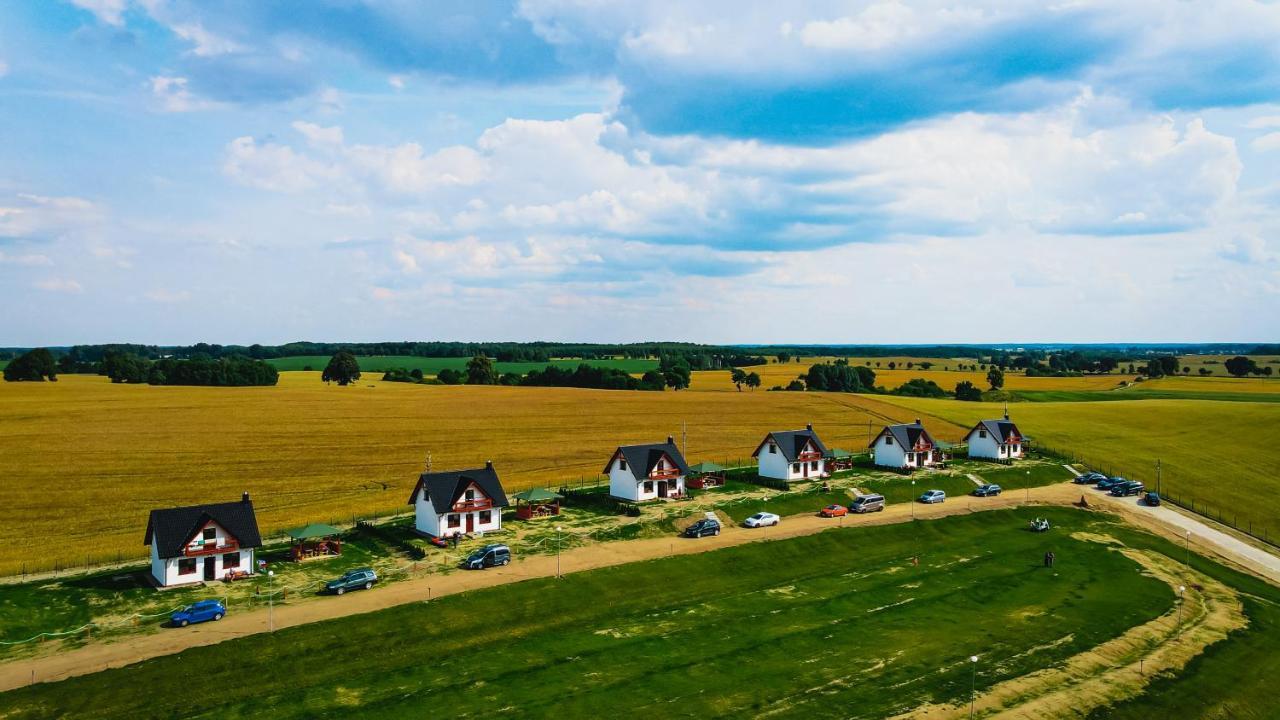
(898, 172)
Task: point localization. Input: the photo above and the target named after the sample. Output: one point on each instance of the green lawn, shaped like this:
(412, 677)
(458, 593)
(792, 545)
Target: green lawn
(820, 625)
(431, 366)
(1142, 394)
(788, 503)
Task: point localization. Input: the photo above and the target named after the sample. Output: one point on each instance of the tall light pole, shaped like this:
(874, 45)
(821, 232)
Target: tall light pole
(1187, 562)
(973, 683)
(1028, 487)
(1182, 589)
(557, 552)
(913, 500)
(271, 621)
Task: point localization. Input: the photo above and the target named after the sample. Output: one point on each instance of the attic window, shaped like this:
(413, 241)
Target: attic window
(622, 463)
(888, 440)
(982, 433)
(773, 448)
(210, 534)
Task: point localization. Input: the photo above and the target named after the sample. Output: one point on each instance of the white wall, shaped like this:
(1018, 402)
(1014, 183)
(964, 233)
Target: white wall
(989, 447)
(426, 520)
(166, 571)
(889, 455)
(774, 464)
(623, 485)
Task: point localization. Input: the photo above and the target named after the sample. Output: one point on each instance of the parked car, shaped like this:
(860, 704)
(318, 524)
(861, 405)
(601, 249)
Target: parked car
(1108, 483)
(1152, 499)
(761, 519)
(488, 556)
(986, 490)
(834, 511)
(933, 496)
(438, 541)
(867, 503)
(702, 528)
(1089, 478)
(198, 612)
(1132, 487)
(352, 580)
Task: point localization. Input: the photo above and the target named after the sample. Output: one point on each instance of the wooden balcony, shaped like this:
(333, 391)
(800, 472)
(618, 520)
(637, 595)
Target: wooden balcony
(671, 474)
(809, 456)
(471, 505)
(210, 549)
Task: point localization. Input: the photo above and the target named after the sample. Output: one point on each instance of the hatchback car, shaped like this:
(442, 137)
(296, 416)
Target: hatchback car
(1108, 483)
(1089, 478)
(762, 519)
(702, 528)
(488, 556)
(352, 580)
(198, 612)
(1152, 499)
(933, 496)
(986, 490)
(834, 511)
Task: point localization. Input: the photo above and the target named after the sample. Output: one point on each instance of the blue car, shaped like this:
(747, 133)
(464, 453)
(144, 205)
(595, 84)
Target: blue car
(1152, 499)
(986, 490)
(1109, 483)
(933, 496)
(198, 613)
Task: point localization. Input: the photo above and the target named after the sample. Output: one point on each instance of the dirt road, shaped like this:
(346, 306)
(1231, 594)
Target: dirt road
(101, 656)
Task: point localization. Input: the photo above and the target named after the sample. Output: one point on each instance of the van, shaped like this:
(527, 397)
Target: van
(488, 556)
(867, 503)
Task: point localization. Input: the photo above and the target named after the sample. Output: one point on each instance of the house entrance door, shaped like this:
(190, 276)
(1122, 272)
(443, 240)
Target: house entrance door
(662, 488)
(210, 567)
(471, 522)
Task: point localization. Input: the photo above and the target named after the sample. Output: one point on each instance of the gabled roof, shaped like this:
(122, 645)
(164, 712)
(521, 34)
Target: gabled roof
(1001, 428)
(906, 434)
(444, 488)
(642, 459)
(792, 442)
(171, 529)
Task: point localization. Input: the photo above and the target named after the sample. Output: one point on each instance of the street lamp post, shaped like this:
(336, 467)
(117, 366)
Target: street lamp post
(913, 500)
(271, 621)
(1182, 589)
(973, 683)
(557, 552)
(1028, 487)
(1187, 562)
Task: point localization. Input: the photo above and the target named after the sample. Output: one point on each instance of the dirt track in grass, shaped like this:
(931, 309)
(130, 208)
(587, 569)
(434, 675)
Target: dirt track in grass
(1121, 667)
(103, 655)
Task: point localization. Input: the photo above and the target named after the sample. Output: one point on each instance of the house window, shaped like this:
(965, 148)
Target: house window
(622, 463)
(471, 494)
(486, 516)
(795, 467)
(888, 440)
(648, 486)
(1017, 448)
(773, 449)
(210, 534)
(230, 560)
(813, 465)
(455, 520)
(186, 566)
(982, 433)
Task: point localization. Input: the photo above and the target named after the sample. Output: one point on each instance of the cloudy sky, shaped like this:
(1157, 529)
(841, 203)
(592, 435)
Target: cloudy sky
(259, 171)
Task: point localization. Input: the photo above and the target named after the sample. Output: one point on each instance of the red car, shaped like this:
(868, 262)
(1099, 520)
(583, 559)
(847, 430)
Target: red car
(834, 511)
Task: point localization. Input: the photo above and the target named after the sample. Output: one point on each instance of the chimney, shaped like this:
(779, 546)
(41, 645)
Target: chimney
(245, 496)
(488, 464)
(808, 426)
(671, 439)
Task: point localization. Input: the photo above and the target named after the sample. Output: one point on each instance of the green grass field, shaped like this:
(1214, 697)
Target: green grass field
(837, 623)
(431, 366)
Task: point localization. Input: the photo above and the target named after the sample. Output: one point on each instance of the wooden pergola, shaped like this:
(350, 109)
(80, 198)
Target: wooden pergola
(316, 540)
(705, 475)
(537, 503)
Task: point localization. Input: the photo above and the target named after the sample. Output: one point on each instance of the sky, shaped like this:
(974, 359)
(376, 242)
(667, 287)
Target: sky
(241, 171)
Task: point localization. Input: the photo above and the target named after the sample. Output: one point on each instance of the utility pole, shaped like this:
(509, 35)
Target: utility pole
(1157, 476)
(684, 439)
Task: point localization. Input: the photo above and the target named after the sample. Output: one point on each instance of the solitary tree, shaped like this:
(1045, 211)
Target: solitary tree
(752, 380)
(995, 378)
(480, 371)
(342, 368)
(738, 377)
(36, 364)
(1240, 365)
(966, 390)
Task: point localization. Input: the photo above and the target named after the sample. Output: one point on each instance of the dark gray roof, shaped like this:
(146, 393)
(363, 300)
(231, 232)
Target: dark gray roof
(444, 488)
(906, 434)
(792, 442)
(1000, 428)
(643, 458)
(173, 528)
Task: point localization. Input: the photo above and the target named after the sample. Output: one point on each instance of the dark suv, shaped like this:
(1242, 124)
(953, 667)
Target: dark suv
(352, 580)
(1133, 487)
(488, 556)
(702, 528)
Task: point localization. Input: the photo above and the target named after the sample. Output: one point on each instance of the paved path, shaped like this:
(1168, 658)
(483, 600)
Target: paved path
(975, 479)
(98, 656)
(1074, 472)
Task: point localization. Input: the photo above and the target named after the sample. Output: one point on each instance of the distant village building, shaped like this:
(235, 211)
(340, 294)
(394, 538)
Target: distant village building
(459, 501)
(791, 455)
(904, 446)
(647, 472)
(995, 439)
(202, 542)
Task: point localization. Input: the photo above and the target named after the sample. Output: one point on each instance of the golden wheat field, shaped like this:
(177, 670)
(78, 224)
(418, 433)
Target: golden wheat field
(1224, 454)
(84, 460)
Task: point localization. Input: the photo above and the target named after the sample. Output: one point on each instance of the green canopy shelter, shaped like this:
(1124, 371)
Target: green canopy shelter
(316, 540)
(840, 459)
(705, 475)
(537, 503)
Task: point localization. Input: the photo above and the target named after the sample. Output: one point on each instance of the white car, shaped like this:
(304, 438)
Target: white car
(761, 519)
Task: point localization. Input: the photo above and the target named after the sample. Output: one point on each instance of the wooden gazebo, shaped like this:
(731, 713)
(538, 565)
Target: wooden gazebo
(838, 460)
(537, 503)
(316, 540)
(705, 475)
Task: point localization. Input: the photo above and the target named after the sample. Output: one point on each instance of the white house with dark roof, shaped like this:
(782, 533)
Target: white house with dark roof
(995, 439)
(791, 455)
(202, 542)
(904, 446)
(458, 501)
(647, 472)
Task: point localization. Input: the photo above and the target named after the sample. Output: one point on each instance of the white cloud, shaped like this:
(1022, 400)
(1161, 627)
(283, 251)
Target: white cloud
(38, 216)
(274, 167)
(161, 295)
(61, 285)
(1248, 249)
(110, 12)
(886, 24)
(206, 43)
(396, 81)
(173, 95)
(318, 135)
(4, 68)
(24, 260)
(1266, 143)
(1263, 121)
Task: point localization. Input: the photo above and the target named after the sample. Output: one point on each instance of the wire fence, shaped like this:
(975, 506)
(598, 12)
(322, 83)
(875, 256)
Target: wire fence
(1169, 483)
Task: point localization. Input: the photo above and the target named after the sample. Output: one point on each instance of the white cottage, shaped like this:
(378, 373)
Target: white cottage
(995, 440)
(904, 446)
(647, 472)
(202, 542)
(791, 455)
(459, 501)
